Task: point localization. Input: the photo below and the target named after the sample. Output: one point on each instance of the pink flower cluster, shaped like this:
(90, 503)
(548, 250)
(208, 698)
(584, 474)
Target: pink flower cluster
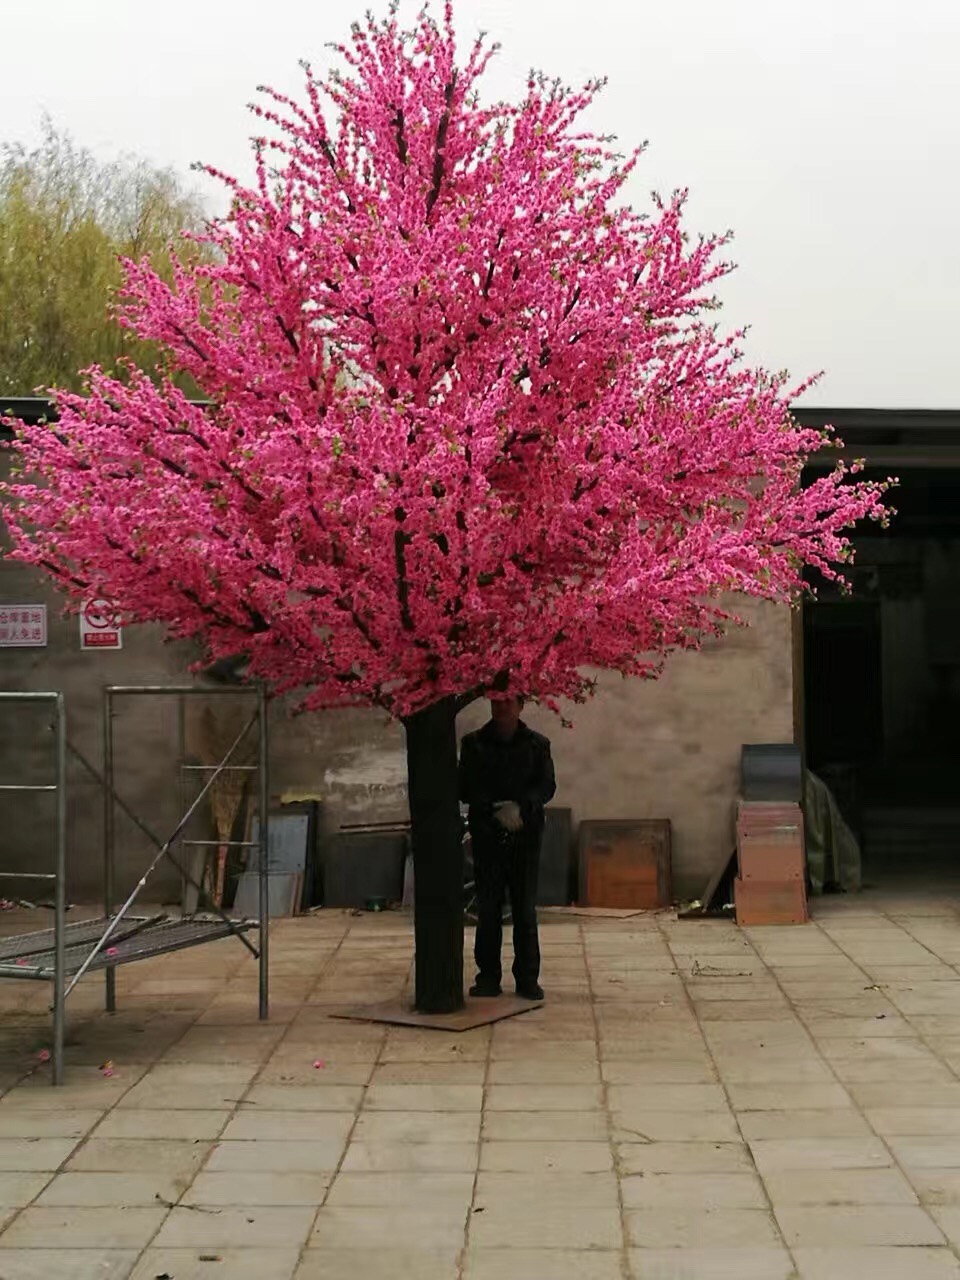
(469, 421)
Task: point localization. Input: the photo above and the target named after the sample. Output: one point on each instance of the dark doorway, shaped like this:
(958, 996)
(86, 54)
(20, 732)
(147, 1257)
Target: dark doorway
(844, 683)
(881, 686)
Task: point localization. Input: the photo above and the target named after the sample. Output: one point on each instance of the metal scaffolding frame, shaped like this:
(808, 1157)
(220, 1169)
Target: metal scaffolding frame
(59, 875)
(66, 953)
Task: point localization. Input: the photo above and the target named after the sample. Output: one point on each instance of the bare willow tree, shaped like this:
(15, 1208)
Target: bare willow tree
(66, 220)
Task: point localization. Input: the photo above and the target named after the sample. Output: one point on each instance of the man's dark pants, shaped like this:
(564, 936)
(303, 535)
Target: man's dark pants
(507, 864)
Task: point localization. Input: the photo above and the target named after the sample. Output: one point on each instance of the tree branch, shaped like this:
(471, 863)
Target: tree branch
(442, 129)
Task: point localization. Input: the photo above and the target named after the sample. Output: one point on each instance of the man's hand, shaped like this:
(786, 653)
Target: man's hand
(508, 815)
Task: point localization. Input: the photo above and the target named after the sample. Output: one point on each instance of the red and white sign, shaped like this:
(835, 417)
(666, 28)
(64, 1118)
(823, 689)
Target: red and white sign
(100, 626)
(23, 626)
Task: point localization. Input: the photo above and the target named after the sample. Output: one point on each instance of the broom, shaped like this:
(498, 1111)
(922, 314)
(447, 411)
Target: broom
(216, 734)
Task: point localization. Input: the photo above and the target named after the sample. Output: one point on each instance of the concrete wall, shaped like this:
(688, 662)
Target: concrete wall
(668, 749)
(671, 748)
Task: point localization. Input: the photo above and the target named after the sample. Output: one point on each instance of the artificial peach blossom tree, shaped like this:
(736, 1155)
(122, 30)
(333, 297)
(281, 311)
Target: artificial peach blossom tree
(468, 426)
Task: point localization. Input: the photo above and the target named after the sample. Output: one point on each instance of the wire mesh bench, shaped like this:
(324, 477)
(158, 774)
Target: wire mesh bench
(64, 954)
(33, 955)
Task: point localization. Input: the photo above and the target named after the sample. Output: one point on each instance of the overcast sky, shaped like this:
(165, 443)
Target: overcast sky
(825, 132)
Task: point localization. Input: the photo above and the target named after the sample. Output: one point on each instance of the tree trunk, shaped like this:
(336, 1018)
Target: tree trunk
(437, 857)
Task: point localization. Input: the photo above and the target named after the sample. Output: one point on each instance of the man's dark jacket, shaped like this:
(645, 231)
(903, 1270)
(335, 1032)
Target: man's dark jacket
(494, 769)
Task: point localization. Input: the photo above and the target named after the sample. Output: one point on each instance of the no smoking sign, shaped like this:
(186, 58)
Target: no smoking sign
(100, 626)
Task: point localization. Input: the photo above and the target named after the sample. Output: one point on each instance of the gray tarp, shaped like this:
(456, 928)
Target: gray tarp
(833, 854)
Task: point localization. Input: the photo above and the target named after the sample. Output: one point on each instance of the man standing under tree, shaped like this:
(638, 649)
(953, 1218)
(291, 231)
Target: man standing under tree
(506, 778)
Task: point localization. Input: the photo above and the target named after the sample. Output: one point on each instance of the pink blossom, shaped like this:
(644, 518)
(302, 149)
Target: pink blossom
(470, 423)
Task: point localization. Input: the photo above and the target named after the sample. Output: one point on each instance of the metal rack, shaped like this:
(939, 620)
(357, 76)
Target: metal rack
(59, 876)
(66, 953)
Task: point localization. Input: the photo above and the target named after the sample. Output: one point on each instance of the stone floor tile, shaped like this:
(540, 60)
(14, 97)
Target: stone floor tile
(888, 1093)
(177, 1159)
(225, 1044)
(697, 1227)
(926, 1152)
(387, 1228)
(272, 1188)
(712, 1264)
(641, 1050)
(917, 1122)
(746, 1037)
(231, 1264)
(675, 1126)
(458, 1073)
(838, 1187)
(18, 1189)
(192, 1125)
(775, 1154)
(83, 1228)
(560, 1189)
(34, 1155)
(411, 1157)
(229, 1228)
(423, 1097)
(48, 1124)
(105, 1190)
(949, 1221)
(936, 1186)
(872, 1070)
(848, 1123)
(64, 1264)
(417, 1126)
(710, 1011)
(667, 1097)
(206, 1088)
(440, 1049)
(889, 1027)
(561, 1156)
(531, 1225)
(373, 1264)
(302, 1072)
(318, 1097)
(853, 1226)
(318, 1156)
(682, 1190)
(658, 1071)
(543, 1126)
(98, 1095)
(787, 1096)
(769, 1068)
(683, 1157)
(453, 1191)
(541, 1264)
(933, 1026)
(858, 1048)
(291, 1126)
(546, 1097)
(543, 1071)
(877, 1264)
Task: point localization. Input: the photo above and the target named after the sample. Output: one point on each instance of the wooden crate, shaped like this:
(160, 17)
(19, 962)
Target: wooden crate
(764, 902)
(625, 864)
(770, 842)
(773, 858)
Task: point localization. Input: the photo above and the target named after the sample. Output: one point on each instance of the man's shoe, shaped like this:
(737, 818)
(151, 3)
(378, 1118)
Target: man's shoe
(534, 992)
(485, 990)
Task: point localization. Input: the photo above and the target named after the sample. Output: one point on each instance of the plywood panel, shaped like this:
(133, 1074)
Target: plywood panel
(625, 864)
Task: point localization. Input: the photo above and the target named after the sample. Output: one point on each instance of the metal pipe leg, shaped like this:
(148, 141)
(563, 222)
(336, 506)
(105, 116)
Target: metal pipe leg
(264, 806)
(60, 897)
(110, 975)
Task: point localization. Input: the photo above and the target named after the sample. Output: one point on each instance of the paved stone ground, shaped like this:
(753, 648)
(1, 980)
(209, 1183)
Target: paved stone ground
(693, 1103)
